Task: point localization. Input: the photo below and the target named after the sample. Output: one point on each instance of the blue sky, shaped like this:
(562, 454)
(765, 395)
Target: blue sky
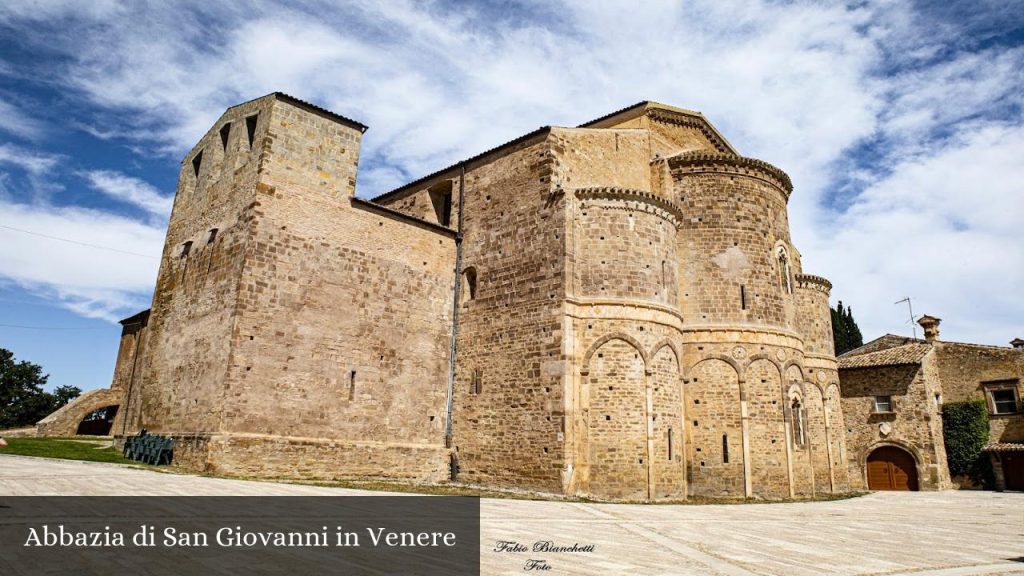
(900, 123)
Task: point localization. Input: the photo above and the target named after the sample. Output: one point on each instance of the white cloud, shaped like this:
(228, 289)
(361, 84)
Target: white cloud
(35, 163)
(16, 121)
(91, 281)
(943, 228)
(800, 85)
(131, 190)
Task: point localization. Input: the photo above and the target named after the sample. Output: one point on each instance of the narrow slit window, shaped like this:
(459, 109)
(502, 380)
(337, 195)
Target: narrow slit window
(475, 385)
(785, 279)
(441, 199)
(468, 284)
(225, 133)
(798, 423)
(743, 297)
(250, 128)
(197, 161)
(352, 385)
(725, 448)
(670, 444)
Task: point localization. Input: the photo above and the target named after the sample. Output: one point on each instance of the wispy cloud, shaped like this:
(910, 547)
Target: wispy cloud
(890, 103)
(18, 122)
(130, 190)
(79, 275)
(35, 163)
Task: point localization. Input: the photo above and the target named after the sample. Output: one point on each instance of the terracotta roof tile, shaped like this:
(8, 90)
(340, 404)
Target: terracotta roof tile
(906, 354)
(1003, 447)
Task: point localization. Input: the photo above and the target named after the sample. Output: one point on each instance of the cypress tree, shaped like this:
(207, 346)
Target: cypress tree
(845, 333)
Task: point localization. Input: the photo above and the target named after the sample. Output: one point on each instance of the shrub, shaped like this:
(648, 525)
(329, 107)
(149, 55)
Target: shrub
(965, 430)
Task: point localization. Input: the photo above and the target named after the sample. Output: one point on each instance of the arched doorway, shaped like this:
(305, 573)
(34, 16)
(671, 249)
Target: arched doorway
(98, 422)
(891, 468)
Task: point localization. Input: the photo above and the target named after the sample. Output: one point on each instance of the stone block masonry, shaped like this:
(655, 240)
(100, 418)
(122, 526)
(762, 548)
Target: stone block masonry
(626, 309)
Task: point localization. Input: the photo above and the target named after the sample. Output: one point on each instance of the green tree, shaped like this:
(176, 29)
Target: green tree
(23, 401)
(965, 431)
(845, 333)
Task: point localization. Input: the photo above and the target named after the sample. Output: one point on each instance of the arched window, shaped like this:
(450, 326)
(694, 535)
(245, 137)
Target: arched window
(798, 423)
(785, 278)
(468, 284)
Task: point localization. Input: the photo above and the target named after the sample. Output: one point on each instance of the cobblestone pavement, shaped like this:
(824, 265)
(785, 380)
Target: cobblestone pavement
(922, 533)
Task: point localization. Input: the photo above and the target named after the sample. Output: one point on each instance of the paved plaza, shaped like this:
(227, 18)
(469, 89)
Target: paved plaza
(922, 533)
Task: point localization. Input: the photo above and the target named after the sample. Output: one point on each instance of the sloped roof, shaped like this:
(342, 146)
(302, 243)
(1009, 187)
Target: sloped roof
(880, 343)
(907, 354)
(1003, 447)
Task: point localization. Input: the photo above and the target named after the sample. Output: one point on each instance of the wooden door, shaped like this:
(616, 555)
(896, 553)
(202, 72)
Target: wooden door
(1013, 470)
(891, 468)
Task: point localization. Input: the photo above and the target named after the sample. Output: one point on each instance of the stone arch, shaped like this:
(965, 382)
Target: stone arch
(838, 392)
(862, 459)
(64, 422)
(665, 389)
(615, 418)
(727, 359)
(614, 336)
(817, 441)
(714, 428)
(675, 352)
(792, 363)
(757, 357)
(769, 469)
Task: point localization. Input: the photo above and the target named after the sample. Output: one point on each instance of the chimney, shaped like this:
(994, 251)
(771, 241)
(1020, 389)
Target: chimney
(1017, 344)
(931, 327)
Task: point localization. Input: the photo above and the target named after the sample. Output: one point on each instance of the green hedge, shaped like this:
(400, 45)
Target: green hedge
(965, 430)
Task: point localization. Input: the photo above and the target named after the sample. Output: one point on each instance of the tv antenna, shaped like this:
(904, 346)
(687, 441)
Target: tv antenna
(913, 326)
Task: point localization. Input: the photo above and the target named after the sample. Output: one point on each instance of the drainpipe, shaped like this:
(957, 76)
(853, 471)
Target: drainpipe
(455, 320)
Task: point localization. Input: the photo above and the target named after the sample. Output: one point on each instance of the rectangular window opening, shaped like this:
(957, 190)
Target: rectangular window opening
(352, 385)
(883, 404)
(441, 198)
(1004, 401)
(670, 444)
(250, 128)
(225, 133)
(725, 448)
(197, 161)
(743, 297)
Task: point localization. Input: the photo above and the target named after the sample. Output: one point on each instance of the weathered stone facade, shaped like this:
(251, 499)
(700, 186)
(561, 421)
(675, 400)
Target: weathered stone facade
(918, 376)
(614, 310)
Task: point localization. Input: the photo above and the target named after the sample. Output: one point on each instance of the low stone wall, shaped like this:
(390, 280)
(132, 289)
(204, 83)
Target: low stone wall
(308, 458)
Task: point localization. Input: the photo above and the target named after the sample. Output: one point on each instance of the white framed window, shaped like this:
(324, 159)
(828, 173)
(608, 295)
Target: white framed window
(883, 404)
(1002, 397)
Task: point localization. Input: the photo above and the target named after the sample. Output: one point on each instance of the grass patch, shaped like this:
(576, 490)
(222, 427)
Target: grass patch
(66, 448)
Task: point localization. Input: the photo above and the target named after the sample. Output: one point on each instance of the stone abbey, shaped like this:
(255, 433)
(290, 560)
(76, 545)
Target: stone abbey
(614, 310)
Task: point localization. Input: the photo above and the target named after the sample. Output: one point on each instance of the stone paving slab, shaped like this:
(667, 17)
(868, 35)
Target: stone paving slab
(923, 533)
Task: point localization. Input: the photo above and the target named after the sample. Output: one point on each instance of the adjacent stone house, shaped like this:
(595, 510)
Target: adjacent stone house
(613, 310)
(893, 390)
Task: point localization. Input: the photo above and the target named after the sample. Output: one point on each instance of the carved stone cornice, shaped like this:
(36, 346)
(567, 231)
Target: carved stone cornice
(677, 119)
(728, 163)
(811, 282)
(632, 200)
